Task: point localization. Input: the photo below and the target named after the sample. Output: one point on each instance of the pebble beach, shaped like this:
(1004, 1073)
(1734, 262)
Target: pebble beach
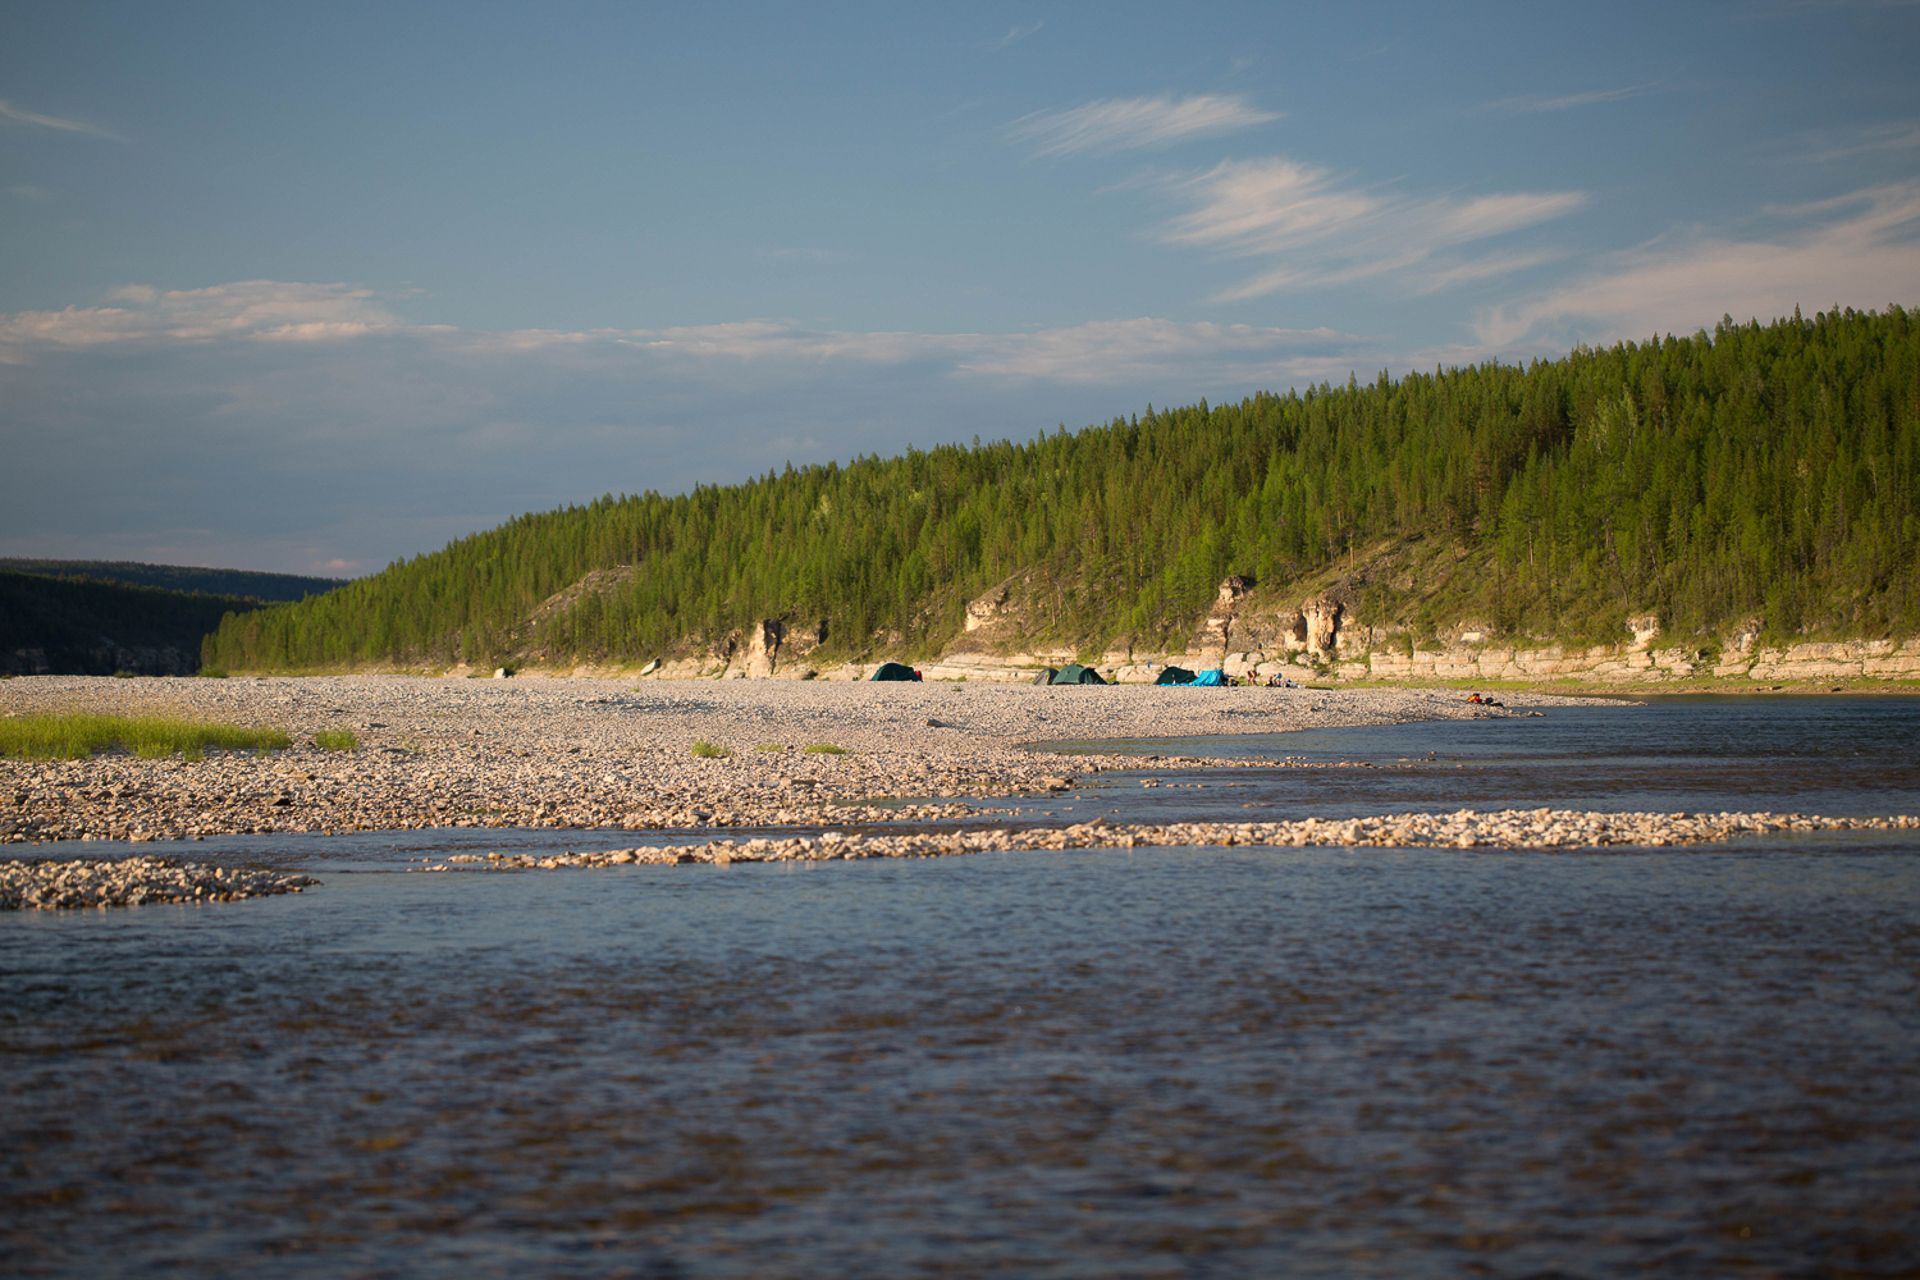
(810, 757)
(609, 753)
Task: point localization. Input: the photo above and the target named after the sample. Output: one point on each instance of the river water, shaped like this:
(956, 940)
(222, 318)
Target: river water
(1134, 1063)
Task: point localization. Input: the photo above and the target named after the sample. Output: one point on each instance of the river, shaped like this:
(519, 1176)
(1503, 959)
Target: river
(1100, 1063)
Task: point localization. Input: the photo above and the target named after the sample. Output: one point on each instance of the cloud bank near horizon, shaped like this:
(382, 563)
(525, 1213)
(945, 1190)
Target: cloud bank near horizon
(317, 412)
(204, 416)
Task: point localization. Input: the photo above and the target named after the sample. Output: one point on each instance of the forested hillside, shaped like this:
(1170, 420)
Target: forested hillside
(1761, 471)
(69, 626)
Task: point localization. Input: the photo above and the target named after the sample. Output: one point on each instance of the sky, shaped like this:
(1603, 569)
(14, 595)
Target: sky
(312, 289)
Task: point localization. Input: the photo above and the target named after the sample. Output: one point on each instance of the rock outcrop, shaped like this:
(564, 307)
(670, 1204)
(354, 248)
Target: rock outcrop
(763, 647)
(1322, 616)
(1317, 639)
(1214, 640)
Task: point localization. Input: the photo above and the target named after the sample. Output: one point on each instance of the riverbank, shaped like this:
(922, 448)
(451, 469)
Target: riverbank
(611, 753)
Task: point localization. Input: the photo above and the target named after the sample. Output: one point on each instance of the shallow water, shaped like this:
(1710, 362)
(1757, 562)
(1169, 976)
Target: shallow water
(1832, 755)
(1136, 1063)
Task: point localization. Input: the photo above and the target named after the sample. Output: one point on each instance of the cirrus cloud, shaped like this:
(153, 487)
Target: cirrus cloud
(1861, 249)
(1311, 231)
(1129, 124)
(10, 114)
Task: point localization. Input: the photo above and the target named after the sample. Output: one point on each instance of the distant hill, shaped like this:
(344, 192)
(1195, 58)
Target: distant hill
(241, 583)
(82, 626)
(1762, 477)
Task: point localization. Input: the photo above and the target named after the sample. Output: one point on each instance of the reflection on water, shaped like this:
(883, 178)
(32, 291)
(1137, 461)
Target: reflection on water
(1135, 1063)
(1818, 755)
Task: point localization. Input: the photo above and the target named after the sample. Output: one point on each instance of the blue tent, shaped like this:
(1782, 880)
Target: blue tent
(1214, 678)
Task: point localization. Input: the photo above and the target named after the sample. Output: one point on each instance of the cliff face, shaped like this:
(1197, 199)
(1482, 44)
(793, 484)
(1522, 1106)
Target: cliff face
(1251, 635)
(1320, 639)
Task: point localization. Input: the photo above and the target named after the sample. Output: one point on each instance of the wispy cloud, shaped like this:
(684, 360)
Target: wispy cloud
(251, 310)
(11, 114)
(1128, 124)
(1489, 267)
(1531, 105)
(1017, 32)
(1098, 352)
(1876, 139)
(1312, 231)
(1861, 249)
(255, 312)
(1128, 351)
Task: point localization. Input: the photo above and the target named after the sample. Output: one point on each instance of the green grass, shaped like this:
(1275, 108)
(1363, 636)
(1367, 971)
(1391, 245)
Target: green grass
(74, 737)
(710, 750)
(335, 740)
(771, 747)
(823, 749)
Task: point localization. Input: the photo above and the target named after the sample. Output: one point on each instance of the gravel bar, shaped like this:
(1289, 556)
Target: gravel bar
(1531, 829)
(580, 752)
(48, 884)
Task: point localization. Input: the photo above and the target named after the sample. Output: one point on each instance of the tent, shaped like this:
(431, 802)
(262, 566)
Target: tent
(894, 671)
(1212, 679)
(1046, 675)
(1175, 675)
(1074, 673)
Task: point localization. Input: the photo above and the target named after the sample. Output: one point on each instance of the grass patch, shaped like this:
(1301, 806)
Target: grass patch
(74, 737)
(710, 750)
(335, 740)
(771, 746)
(823, 749)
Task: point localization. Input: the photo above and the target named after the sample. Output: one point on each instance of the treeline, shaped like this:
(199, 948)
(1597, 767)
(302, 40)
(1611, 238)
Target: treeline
(1768, 471)
(71, 626)
(243, 583)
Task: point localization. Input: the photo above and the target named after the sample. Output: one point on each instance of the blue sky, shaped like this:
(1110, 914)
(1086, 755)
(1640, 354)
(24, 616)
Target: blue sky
(315, 288)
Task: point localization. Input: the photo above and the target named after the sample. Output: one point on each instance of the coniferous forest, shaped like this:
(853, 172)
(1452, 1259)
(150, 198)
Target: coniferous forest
(89, 626)
(1761, 471)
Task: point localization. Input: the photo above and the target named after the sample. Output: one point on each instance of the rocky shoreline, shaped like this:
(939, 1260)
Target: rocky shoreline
(812, 758)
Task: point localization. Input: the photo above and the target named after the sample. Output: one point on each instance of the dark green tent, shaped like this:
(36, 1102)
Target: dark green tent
(1046, 675)
(1074, 673)
(894, 671)
(1175, 675)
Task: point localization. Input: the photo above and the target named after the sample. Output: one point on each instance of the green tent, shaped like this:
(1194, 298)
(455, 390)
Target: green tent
(1175, 675)
(1046, 675)
(1074, 673)
(894, 671)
